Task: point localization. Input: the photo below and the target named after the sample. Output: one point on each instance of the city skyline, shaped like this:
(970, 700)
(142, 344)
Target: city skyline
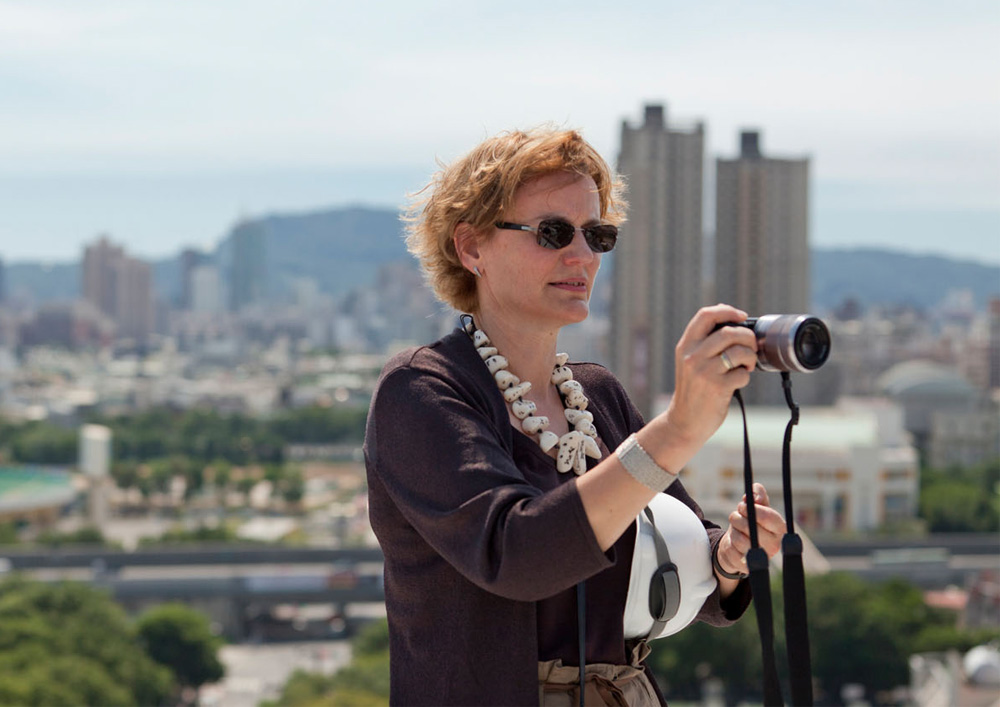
(163, 125)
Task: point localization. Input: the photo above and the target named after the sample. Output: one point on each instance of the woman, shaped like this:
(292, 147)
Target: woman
(485, 539)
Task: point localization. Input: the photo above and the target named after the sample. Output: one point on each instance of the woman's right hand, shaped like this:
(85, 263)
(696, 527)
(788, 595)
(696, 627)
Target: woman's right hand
(704, 388)
(711, 363)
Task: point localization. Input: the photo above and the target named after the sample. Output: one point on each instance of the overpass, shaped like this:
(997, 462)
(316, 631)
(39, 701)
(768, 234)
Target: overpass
(237, 584)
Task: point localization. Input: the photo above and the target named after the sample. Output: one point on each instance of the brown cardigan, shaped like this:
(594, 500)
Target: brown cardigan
(483, 541)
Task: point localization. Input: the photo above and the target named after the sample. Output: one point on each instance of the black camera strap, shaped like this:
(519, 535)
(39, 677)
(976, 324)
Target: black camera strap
(793, 577)
(793, 574)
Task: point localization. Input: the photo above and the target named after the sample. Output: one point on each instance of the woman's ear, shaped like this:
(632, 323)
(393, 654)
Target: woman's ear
(467, 246)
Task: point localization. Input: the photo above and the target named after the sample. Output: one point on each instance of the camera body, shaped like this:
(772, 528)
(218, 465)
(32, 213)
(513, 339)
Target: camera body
(789, 342)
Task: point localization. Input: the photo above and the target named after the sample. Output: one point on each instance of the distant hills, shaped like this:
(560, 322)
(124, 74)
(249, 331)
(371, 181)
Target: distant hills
(341, 250)
(876, 276)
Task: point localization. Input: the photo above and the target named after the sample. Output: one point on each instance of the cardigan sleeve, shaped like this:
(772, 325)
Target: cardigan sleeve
(443, 464)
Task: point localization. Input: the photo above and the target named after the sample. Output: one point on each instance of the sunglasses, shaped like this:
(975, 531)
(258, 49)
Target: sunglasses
(556, 233)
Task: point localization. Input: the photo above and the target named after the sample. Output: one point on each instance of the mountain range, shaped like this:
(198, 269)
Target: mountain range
(341, 250)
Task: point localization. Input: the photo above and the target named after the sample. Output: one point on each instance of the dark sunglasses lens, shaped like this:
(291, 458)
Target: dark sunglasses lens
(555, 234)
(601, 239)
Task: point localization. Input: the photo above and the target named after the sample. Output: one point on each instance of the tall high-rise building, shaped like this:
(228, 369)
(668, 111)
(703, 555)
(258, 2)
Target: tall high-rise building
(658, 282)
(134, 310)
(762, 231)
(762, 241)
(99, 270)
(3, 282)
(190, 259)
(247, 281)
(121, 287)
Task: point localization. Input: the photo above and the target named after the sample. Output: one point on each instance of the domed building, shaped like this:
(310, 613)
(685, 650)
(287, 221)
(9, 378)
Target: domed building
(951, 421)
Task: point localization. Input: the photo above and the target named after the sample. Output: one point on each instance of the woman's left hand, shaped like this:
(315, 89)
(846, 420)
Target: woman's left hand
(735, 544)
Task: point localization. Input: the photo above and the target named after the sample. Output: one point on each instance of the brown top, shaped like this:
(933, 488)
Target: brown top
(484, 541)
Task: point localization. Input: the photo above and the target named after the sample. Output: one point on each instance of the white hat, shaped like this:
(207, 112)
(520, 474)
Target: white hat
(671, 570)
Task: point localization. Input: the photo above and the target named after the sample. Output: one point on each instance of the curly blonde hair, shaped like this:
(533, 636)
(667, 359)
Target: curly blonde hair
(478, 188)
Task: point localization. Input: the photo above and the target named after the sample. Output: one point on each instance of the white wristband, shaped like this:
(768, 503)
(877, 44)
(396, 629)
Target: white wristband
(641, 466)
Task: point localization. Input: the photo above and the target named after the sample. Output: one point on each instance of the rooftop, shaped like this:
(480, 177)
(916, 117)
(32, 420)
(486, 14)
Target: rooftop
(818, 428)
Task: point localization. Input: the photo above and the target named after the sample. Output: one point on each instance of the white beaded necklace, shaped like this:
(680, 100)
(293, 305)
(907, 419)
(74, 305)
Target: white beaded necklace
(574, 446)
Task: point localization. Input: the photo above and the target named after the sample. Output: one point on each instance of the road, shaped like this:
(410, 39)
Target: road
(258, 672)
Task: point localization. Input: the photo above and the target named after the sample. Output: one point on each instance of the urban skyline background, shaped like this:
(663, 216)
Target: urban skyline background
(164, 126)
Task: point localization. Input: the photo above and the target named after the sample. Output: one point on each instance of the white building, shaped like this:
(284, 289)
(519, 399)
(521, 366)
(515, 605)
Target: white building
(95, 462)
(853, 466)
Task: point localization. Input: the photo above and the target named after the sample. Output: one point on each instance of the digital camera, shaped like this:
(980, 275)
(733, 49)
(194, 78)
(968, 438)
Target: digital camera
(789, 342)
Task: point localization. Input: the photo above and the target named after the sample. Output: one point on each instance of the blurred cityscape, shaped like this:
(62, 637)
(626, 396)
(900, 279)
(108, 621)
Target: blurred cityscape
(160, 414)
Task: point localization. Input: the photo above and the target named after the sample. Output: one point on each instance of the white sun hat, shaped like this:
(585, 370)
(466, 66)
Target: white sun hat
(671, 570)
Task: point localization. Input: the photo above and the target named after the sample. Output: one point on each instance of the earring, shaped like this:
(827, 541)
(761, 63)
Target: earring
(476, 271)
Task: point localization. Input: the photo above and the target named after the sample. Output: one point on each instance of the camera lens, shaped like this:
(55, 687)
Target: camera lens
(791, 342)
(812, 343)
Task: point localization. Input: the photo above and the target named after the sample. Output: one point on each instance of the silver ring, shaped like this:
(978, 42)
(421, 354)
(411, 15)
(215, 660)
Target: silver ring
(726, 362)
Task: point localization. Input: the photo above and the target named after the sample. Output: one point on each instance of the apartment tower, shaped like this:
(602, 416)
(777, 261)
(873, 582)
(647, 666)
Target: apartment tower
(100, 262)
(762, 238)
(135, 313)
(657, 267)
(121, 287)
(762, 231)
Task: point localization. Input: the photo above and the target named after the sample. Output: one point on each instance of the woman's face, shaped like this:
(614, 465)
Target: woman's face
(534, 285)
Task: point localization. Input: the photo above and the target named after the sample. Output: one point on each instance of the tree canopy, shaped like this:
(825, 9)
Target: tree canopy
(961, 499)
(69, 644)
(181, 639)
(197, 434)
(859, 633)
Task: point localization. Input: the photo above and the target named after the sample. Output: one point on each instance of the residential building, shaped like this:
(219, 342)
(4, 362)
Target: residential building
(657, 269)
(134, 312)
(762, 239)
(120, 287)
(762, 231)
(98, 277)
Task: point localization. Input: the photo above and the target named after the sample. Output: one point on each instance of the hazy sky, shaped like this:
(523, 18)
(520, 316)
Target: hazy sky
(162, 122)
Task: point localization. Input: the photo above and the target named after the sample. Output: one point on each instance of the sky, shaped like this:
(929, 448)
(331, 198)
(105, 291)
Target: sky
(162, 123)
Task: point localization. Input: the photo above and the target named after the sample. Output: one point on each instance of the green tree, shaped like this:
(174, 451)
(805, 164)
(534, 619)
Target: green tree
(200, 534)
(43, 443)
(69, 644)
(859, 633)
(125, 473)
(961, 499)
(8, 534)
(181, 639)
(320, 425)
(682, 661)
(856, 635)
(293, 485)
(88, 535)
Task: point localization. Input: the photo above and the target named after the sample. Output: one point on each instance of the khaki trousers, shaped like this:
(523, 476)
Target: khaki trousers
(604, 684)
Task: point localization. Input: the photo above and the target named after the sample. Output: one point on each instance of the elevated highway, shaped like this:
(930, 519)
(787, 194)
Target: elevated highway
(238, 584)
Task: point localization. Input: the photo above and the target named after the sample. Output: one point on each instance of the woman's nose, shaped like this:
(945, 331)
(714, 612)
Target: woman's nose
(578, 248)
